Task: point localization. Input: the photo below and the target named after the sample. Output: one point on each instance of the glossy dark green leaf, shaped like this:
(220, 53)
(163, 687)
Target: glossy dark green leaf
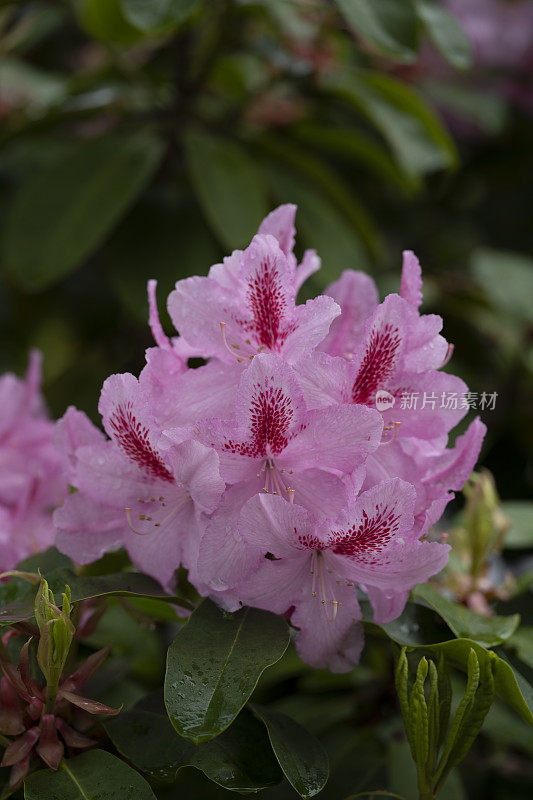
(228, 186)
(415, 134)
(445, 32)
(466, 624)
(213, 666)
(92, 776)
(239, 759)
(155, 16)
(150, 742)
(391, 26)
(416, 625)
(61, 215)
(301, 757)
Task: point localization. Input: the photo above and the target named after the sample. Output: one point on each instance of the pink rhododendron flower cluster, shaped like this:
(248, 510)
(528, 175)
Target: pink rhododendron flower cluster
(32, 480)
(268, 472)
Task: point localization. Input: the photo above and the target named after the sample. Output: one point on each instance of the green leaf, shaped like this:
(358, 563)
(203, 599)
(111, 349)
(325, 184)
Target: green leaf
(473, 722)
(418, 717)
(33, 90)
(502, 726)
(445, 32)
(417, 137)
(463, 709)
(445, 698)
(391, 26)
(466, 624)
(105, 20)
(20, 607)
(522, 643)
(157, 16)
(92, 776)
(416, 625)
(228, 187)
(239, 759)
(434, 707)
(312, 168)
(401, 682)
(150, 742)
(134, 642)
(520, 513)
(484, 109)
(322, 225)
(213, 666)
(46, 561)
(301, 757)
(509, 684)
(507, 279)
(63, 213)
(355, 146)
(152, 233)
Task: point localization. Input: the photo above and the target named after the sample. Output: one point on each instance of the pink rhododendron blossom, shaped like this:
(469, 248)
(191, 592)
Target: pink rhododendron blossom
(32, 480)
(310, 566)
(290, 471)
(248, 306)
(145, 498)
(273, 443)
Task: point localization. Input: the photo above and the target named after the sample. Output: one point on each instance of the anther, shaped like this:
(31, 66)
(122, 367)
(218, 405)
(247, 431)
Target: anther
(393, 426)
(134, 530)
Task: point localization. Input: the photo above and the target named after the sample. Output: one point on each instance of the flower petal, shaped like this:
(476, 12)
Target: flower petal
(411, 284)
(339, 437)
(357, 296)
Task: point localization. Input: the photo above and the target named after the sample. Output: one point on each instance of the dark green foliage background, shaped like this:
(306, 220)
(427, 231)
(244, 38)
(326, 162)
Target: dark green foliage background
(147, 140)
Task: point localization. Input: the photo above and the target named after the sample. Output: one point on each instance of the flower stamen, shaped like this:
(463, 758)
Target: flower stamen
(226, 345)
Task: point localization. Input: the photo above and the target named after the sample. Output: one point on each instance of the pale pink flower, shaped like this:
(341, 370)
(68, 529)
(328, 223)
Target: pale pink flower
(32, 479)
(135, 493)
(273, 443)
(248, 306)
(309, 567)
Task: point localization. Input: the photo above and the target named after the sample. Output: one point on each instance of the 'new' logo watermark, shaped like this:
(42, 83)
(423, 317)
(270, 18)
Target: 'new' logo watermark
(384, 400)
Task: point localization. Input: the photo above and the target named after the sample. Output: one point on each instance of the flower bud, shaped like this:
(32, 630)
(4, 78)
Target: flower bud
(483, 520)
(57, 632)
